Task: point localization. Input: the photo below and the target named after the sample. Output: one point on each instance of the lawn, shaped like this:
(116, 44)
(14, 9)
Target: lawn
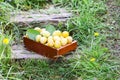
(94, 24)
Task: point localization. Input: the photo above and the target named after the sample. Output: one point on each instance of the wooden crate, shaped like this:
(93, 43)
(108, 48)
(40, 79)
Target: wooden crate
(47, 51)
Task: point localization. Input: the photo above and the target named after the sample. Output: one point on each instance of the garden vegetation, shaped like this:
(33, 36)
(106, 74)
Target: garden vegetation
(94, 61)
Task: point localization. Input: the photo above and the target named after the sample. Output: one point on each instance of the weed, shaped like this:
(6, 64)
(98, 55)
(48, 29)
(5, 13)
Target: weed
(5, 46)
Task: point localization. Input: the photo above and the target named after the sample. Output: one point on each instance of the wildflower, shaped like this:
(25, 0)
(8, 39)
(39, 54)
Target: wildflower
(96, 34)
(92, 59)
(6, 41)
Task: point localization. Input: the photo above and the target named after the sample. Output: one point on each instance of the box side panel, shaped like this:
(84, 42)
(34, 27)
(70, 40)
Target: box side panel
(39, 48)
(65, 49)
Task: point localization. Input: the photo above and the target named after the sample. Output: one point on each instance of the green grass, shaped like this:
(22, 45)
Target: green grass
(43, 70)
(5, 9)
(27, 5)
(117, 2)
(88, 18)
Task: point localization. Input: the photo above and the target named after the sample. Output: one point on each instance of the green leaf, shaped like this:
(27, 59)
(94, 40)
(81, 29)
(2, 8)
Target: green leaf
(50, 28)
(32, 33)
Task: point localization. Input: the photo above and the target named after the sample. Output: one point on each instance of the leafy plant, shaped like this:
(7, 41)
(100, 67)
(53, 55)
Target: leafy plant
(5, 46)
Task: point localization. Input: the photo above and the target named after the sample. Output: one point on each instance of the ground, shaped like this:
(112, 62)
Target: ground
(113, 20)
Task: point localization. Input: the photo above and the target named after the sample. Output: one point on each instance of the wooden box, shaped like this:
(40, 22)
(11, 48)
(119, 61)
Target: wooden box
(47, 51)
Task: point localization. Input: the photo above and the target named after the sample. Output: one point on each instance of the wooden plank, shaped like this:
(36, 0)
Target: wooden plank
(38, 16)
(19, 52)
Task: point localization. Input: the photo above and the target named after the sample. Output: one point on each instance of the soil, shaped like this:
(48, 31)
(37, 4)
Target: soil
(113, 20)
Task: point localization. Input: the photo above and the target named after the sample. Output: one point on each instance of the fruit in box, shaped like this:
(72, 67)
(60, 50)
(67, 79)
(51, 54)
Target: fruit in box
(56, 39)
(37, 38)
(57, 33)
